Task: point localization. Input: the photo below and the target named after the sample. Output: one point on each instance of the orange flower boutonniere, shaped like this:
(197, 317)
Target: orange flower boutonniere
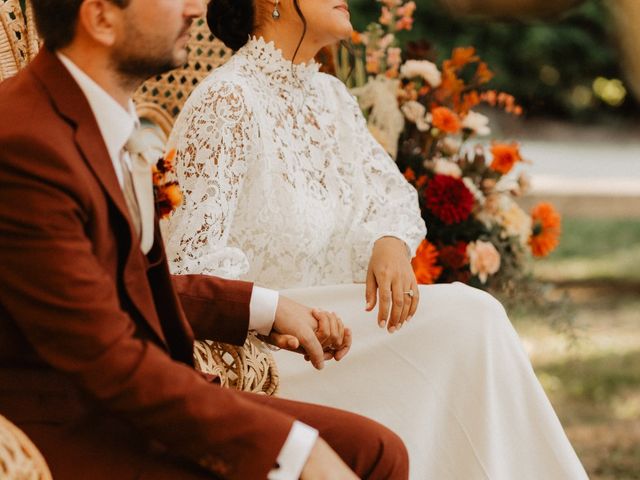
(167, 192)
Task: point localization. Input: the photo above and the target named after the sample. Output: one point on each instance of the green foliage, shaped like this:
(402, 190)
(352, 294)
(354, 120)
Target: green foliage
(550, 66)
(589, 238)
(595, 250)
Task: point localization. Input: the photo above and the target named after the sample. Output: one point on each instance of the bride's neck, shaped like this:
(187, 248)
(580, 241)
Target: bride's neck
(287, 42)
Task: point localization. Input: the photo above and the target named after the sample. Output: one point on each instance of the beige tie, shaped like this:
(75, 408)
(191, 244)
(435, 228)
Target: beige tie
(144, 149)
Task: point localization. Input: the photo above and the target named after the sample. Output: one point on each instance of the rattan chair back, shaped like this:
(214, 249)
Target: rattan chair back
(161, 98)
(18, 37)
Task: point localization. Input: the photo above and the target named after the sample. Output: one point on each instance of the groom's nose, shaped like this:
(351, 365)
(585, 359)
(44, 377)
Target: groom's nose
(194, 8)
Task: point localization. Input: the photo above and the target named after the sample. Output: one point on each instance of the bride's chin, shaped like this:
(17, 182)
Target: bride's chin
(345, 33)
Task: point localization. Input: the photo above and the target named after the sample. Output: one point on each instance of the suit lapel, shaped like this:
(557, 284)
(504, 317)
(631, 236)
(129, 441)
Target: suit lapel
(73, 105)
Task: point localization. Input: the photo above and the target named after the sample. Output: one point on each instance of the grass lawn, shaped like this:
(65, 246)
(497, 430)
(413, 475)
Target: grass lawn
(593, 375)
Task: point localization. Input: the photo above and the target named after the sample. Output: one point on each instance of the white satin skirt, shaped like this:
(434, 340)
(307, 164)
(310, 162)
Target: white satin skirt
(455, 383)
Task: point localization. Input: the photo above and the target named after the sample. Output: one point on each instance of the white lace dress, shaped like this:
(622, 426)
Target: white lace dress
(285, 186)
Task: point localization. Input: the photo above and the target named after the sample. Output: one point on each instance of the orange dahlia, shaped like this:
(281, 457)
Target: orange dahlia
(446, 120)
(505, 157)
(545, 235)
(424, 263)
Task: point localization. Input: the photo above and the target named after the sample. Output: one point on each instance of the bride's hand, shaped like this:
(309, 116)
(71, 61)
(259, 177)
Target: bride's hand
(391, 276)
(332, 334)
(317, 334)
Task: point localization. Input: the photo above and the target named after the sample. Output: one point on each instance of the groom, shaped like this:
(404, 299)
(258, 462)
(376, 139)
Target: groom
(96, 337)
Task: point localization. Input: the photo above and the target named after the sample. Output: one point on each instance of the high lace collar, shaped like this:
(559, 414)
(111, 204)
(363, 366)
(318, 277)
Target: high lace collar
(269, 59)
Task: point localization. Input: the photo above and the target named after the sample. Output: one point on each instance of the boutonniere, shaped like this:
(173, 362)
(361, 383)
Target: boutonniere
(167, 193)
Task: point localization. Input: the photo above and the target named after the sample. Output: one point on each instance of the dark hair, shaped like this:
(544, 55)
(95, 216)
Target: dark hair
(232, 21)
(56, 20)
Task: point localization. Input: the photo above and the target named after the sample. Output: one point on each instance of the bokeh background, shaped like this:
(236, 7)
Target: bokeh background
(575, 67)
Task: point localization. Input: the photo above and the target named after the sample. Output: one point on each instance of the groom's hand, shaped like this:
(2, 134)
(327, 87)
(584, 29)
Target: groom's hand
(317, 334)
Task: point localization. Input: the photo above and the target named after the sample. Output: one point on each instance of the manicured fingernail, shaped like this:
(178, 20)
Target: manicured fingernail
(409, 318)
(392, 330)
(382, 324)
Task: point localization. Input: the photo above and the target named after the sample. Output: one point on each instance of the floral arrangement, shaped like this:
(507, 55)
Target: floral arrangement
(167, 193)
(424, 116)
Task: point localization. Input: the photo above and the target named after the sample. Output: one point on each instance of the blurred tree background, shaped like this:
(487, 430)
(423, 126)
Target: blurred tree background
(567, 67)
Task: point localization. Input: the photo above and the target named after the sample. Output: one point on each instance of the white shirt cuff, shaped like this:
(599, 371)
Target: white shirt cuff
(262, 310)
(295, 452)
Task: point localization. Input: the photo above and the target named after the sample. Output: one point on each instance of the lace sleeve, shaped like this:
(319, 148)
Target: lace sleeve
(389, 203)
(213, 138)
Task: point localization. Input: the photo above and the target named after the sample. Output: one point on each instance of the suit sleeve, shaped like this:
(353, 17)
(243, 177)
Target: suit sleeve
(203, 297)
(66, 304)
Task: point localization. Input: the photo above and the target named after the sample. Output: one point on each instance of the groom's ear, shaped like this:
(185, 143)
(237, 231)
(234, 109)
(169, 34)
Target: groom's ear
(100, 21)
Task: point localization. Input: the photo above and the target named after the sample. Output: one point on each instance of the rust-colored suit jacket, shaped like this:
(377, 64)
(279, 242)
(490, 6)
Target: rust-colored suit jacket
(90, 328)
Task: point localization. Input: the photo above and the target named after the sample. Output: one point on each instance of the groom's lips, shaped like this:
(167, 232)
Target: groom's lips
(344, 7)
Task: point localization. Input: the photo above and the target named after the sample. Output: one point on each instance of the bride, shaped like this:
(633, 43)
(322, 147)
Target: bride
(285, 186)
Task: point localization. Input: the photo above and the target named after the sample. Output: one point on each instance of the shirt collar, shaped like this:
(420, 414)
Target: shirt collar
(115, 123)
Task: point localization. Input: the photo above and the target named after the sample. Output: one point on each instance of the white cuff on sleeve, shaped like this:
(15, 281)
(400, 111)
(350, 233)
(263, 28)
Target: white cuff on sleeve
(295, 452)
(262, 309)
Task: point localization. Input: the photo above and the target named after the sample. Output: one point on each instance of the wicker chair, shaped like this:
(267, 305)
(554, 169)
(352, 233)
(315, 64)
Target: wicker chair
(18, 37)
(249, 368)
(19, 457)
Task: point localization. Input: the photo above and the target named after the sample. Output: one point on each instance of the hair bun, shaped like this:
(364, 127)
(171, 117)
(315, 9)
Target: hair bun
(231, 21)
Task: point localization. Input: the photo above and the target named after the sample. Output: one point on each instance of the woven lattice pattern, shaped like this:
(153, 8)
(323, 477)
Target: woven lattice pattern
(19, 458)
(161, 98)
(250, 368)
(18, 38)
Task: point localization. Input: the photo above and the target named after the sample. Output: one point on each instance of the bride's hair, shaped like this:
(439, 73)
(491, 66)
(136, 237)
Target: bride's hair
(232, 21)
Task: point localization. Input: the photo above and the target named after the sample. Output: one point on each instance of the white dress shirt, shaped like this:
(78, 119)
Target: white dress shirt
(116, 125)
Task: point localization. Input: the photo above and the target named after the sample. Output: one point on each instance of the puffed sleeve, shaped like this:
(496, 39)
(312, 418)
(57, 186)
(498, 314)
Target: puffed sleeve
(214, 141)
(387, 205)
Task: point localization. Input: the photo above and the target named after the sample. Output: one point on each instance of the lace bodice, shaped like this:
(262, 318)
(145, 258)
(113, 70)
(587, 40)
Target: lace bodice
(283, 183)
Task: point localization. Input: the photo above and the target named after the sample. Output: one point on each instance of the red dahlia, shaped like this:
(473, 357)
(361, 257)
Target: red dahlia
(449, 199)
(454, 256)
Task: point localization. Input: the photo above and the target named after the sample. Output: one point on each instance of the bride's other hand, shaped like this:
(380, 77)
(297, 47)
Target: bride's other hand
(390, 276)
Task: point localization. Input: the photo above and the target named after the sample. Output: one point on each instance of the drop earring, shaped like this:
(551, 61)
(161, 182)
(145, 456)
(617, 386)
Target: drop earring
(276, 13)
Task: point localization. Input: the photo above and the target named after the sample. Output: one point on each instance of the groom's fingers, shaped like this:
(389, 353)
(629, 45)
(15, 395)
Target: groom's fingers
(313, 349)
(287, 342)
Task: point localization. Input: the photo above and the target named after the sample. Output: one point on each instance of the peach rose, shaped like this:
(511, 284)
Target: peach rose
(484, 259)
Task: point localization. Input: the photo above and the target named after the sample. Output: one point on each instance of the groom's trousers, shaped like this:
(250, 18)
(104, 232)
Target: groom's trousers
(103, 447)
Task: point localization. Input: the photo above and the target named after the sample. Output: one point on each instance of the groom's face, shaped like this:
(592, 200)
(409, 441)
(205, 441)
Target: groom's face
(152, 36)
